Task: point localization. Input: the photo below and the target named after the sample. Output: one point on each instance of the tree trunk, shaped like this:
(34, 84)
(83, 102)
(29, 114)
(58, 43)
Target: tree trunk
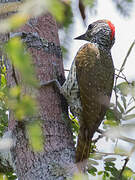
(57, 160)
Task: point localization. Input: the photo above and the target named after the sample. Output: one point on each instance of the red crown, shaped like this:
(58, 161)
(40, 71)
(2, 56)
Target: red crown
(112, 27)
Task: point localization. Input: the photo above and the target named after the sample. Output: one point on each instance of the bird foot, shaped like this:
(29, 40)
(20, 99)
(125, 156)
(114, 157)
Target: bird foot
(52, 82)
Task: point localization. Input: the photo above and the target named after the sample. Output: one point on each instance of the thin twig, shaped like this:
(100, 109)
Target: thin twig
(96, 139)
(118, 76)
(134, 99)
(109, 154)
(66, 70)
(126, 161)
(117, 69)
(130, 101)
(123, 168)
(124, 76)
(125, 60)
(121, 69)
(104, 133)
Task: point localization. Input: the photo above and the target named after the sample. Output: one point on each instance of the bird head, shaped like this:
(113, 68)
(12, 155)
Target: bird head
(101, 32)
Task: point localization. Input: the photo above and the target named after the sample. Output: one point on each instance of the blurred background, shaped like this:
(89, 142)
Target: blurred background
(120, 12)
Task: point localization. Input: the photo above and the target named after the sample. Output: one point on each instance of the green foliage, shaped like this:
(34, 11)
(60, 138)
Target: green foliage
(110, 168)
(75, 124)
(68, 15)
(3, 97)
(3, 118)
(112, 173)
(112, 117)
(34, 131)
(62, 12)
(21, 60)
(57, 9)
(90, 3)
(23, 106)
(92, 171)
(11, 176)
(128, 173)
(125, 100)
(4, 113)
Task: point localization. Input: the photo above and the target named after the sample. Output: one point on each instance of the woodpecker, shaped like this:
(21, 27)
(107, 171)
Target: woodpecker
(89, 84)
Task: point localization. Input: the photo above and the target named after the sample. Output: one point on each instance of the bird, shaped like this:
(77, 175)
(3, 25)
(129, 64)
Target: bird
(89, 84)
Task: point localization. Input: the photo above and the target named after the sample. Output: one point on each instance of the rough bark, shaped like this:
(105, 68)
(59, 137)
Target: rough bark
(57, 160)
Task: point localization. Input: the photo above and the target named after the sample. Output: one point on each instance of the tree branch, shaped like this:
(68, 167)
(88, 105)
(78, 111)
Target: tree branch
(104, 133)
(108, 154)
(123, 168)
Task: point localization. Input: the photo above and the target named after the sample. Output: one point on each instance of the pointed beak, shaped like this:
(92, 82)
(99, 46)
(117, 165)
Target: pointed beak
(82, 37)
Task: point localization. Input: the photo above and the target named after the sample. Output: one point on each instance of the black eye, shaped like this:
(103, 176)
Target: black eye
(90, 26)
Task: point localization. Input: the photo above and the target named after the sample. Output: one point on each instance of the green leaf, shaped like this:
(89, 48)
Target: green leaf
(123, 88)
(120, 107)
(35, 136)
(3, 80)
(130, 110)
(106, 174)
(128, 117)
(17, 20)
(3, 68)
(128, 172)
(132, 86)
(110, 123)
(68, 16)
(25, 108)
(90, 3)
(109, 159)
(13, 177)
(57, 9)
(2, 95)
(124, 101)
(21, 60)
(112, 164)
(92, 171)
(96, 156)
(75, 124)
(92, 162)
(100, 172)
(15, 92)
(110, 115)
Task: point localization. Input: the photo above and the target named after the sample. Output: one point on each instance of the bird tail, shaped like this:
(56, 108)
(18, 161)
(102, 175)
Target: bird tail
(83, 146)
